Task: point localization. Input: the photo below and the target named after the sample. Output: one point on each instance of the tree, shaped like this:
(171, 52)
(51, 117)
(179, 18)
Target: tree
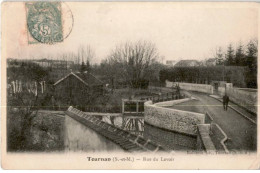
(25, 100)
(230, 56)
(219, 56)
(131, 60)
(85, 55)
(83, 67)
(251, 63)
(239, 56)
(88, 66)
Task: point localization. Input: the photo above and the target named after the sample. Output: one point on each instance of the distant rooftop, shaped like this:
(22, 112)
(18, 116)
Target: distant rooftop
(85, 77)
(187, 63)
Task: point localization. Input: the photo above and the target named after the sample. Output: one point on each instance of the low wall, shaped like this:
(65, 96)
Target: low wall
(204, 141)
(172, 119)
(242, 97)
(192, 87)
(173, 102)
(79, 137)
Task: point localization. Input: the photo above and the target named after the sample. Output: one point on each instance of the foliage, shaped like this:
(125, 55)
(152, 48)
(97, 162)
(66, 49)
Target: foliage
(26, 71)
(204, 75)
(251, 63)
(219, 57)
(130, 61)
(230, 59)
(245, 56)
(22, 104)
(140, 83)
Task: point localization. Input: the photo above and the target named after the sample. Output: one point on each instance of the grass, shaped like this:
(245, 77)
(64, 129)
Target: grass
(47, 132)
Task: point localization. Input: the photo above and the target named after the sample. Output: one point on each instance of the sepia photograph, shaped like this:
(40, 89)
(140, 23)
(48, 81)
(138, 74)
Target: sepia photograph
(130, 84)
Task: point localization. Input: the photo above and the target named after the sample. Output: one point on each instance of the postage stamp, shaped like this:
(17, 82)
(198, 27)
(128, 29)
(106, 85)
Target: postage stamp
(45, 22)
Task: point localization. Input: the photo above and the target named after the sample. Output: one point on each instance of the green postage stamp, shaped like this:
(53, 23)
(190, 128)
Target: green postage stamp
(44, 22)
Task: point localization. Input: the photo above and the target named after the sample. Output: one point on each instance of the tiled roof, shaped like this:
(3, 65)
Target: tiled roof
(89, 78)
(86, 78)
(124, 139)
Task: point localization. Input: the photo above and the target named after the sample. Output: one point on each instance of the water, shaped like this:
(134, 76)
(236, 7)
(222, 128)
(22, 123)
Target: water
(166, 138)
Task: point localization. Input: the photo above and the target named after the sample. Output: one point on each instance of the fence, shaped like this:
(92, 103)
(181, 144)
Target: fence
(130, 105)
(164, 97)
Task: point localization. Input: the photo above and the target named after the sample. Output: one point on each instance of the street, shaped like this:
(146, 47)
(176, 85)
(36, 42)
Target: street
(242, 133)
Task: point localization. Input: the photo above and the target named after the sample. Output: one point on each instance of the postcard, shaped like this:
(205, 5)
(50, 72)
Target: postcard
(129, 85)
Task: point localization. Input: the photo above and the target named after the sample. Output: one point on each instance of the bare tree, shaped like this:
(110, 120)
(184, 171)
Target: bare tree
(132, 59)
(86, 53)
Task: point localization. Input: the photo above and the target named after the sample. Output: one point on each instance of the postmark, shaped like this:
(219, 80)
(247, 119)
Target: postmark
(46, 22)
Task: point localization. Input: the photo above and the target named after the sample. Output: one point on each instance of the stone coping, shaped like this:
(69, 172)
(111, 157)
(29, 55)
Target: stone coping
(173, 115)
(203, 131)
(124, 139)
(173, 102)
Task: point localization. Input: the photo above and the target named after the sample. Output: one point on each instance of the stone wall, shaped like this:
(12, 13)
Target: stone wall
(79, 137)
(243, 97)
(192, 87)
(172, 119)
(204, 141)
(172, 102)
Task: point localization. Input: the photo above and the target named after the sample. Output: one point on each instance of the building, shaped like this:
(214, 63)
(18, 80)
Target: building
(171, 62)
(56, 64)
(187, 63)
(77, 89)
(56, 68)
(211, 62)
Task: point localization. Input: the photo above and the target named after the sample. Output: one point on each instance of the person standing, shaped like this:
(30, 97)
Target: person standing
(225, 101)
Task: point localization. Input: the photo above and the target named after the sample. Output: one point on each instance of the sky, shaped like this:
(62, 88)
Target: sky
(179, 30)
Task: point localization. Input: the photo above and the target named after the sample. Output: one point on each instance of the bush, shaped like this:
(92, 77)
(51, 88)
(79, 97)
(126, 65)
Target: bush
(140, 83)
(205, 75)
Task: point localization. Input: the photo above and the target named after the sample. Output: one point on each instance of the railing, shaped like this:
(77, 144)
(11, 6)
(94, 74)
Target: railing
(164, 97)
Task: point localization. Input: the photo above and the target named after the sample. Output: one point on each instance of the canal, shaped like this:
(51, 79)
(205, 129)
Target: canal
(168, 139)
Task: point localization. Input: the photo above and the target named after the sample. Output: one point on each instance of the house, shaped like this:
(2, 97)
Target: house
(77, 89)
(171, 62)
(187, 63)
(211, 62)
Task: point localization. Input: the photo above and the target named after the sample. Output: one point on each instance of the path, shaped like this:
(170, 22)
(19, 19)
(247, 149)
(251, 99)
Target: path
(241, 132)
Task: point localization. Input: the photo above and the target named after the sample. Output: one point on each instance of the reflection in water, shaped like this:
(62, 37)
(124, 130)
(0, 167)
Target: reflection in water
(167, 139)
